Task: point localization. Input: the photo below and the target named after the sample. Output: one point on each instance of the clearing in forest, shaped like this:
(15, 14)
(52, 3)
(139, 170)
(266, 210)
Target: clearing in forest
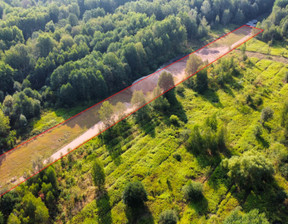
(34, 155)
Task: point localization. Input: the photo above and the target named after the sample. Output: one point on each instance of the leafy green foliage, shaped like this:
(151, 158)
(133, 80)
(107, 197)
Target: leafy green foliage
(266, 114)
(168, 217)
(134, 194)
(193, 191)
(193, 64)
(106, 112)
(250, 171)
(33, 210)
(236, 217)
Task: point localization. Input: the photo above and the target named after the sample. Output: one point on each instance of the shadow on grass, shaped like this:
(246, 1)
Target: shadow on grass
(200, 207)
(212, 97)
(104, 208)
(174, 108)
(263, 141)
(270, 200)
(145, 122)
(114, 137)
(139, 215)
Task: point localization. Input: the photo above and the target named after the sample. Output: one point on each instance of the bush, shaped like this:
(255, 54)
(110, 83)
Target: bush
(249, 171)
(257, 131)
(174, 120)
(252, 217)
(134, 195)
(180, 90)
(177, 157)
(168, 217)
(267, 113)
(193, 191)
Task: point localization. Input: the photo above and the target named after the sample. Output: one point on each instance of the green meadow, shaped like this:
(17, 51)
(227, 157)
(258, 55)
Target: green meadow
(154, 151)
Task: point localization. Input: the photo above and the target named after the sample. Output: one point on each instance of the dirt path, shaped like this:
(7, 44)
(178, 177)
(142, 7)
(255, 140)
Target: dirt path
(89, 134)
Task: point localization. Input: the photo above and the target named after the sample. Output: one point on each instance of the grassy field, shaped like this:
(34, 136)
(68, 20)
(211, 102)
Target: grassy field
(146, 151)
(279, 48)
(19, 161)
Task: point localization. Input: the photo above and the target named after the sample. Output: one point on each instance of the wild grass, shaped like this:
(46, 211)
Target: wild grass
(146, 153)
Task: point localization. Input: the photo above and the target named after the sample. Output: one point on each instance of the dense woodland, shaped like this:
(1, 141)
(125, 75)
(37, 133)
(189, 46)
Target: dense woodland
(57, 54)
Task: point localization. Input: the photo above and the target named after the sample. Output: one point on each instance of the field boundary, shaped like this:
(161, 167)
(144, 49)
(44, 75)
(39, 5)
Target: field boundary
(63, 122)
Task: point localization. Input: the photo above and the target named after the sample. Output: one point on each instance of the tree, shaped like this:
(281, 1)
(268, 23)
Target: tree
(67, 94)
(106, 113)
(266, 114)
(168, 217)
(138, 99)
(120, 109)
(226, 17)
(4, 129)
(33, 210)
(201, 81)
(237, 217)
(206, 10)
(166, 81)
(54, 12)
(193, 191)
(18, 58)
(134, 194)
(98, 174)
(73, 20)
(45, 45)
(6, 77)
(249, 171)
(193, 64)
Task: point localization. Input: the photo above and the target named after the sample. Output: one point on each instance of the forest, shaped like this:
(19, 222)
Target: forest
(230, 165)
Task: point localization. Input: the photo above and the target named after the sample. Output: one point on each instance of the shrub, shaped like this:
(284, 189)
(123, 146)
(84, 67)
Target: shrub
(193, 191)
(168, 217)
(180, 90)
(174, 120)
(267, 113)
(249, 171)
(252, 217)
(177, 157)
(257, 131)
(134, 195)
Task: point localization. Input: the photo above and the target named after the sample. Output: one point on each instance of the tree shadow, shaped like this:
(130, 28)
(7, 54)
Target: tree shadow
(145, 121)
(218, 177)
(113, 139)
(175, 107)
(212, 97)
(104, 208)
(139, 215)
(263, 141)
(200, 207)
(270, 200)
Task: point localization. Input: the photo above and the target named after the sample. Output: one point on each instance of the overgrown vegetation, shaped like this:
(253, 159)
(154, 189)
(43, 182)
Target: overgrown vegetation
(213, 151)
